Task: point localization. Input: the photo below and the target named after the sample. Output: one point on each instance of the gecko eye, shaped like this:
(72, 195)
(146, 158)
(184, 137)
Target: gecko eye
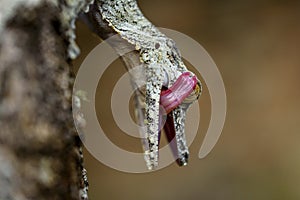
(198, 89)
(194, 95)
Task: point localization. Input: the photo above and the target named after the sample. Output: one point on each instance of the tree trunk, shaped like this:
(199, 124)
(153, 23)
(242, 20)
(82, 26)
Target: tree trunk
(40, 151)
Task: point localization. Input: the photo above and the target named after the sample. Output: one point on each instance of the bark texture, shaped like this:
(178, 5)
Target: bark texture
(40, 153)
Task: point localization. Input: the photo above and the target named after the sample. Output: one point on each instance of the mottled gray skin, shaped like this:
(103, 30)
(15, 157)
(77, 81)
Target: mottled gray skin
(163, 65)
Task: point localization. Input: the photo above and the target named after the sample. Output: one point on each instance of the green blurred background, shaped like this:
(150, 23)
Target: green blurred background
(256, 46)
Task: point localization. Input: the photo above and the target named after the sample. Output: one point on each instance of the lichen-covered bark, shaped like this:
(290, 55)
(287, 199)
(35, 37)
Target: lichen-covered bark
(40, 153)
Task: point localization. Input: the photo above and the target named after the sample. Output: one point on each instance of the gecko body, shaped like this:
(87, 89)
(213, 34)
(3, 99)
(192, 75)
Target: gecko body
(170, 87)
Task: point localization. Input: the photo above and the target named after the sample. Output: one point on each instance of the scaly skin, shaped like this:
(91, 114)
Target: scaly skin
(162, 61)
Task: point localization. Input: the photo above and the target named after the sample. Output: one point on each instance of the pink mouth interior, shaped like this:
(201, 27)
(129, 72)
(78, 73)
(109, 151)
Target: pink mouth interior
(181, 89)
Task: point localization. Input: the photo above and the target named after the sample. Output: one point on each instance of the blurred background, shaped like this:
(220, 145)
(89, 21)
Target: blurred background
(256, 46)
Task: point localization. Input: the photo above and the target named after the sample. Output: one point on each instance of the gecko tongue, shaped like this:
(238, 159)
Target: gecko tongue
(169, 130)
(185, 85)
(182, 88)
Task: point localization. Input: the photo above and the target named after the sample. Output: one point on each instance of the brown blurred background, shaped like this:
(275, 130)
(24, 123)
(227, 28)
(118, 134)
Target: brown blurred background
(256, 46)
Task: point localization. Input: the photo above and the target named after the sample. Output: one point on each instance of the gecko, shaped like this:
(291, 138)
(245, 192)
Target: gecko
(170, 87)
